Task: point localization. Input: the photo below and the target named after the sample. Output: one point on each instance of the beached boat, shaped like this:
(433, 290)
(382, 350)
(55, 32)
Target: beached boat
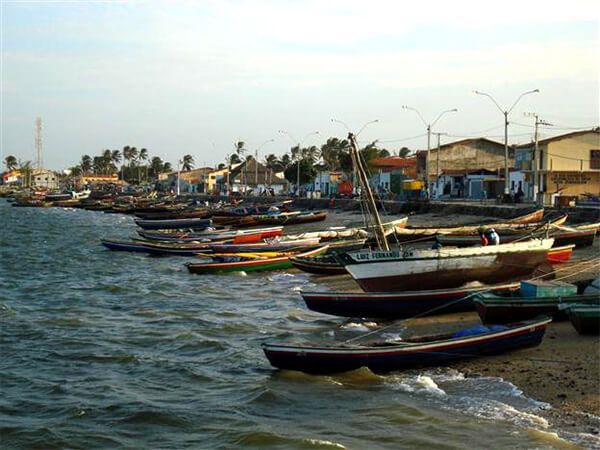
(271, 246)
(513, 306)
(154, 248)
(562, 236)
(398, 305)
(562, 254)
(212, 234)
(385, 271)
(174, 224)
(406, 354)
(515, 225)
(251, 263)
(284, 218)
(585, 317)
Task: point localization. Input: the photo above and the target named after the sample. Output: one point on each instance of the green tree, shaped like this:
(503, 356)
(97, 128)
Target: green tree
(10, 162)
(156, 167)
(307, 171)
(143, 156)
(234, 159)
(86, 164)
(167, 167)
(187, 163)
(404, 152)
(76, 171)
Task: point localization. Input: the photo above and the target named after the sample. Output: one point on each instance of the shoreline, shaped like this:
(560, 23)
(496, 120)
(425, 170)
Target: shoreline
(563, 371)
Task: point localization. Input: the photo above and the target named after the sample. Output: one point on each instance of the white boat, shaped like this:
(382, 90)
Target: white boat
(447, 267)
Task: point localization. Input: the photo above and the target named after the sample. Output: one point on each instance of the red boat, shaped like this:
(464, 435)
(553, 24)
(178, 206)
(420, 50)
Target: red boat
(562, 254)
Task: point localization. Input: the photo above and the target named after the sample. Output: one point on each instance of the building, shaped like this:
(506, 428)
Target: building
(326, 182)
(461, 158)
(44, 179)
(249, 176)
(390, 173)
(195, 180)
(568, 165)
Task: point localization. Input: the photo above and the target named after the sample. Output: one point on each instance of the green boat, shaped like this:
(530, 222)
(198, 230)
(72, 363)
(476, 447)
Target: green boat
(248, 262)
(585, 318)
(514, 307)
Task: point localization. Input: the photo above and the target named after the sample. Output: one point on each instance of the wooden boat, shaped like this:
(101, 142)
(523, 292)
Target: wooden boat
(156, 249)
(585, 317)
(319, 265)
(398, 305)
(406, 354)
(345, 233)
(285, 218)
(248, 264)
(385, 271)
(501, 309)
(330, 265)
(174, 224)
(202, 213)
(562, 236)
(272, 246)
(409, 233)
(589, 226)
(560, 254)
(213, 234)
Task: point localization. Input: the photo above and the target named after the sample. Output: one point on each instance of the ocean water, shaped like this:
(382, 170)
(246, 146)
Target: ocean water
(104, 349)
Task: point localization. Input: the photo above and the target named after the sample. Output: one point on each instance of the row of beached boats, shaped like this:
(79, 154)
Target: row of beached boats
(393, 279)
(392, 263)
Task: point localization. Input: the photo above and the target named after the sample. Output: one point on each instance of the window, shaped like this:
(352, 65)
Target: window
(594, 159)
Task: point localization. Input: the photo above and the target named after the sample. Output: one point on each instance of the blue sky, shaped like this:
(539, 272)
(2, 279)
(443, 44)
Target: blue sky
(182, 77)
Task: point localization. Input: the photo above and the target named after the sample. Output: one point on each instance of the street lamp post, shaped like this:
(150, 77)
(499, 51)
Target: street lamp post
(506, 112)
(299, 144)
(429, 127)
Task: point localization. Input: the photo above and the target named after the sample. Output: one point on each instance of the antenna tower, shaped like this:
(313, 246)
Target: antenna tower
(38, 143)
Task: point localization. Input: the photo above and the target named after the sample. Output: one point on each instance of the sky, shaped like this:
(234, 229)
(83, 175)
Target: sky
(194, 77)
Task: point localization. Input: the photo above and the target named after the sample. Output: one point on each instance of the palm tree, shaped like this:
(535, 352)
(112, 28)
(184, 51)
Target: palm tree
(126, 158)
(107, 158)
(187, 163)
(335, 152)
(86, 163)
(404, 152)
(240, 150)
(311, 153)
(143, 156)
(156, 166)
(167, 167)
(234, 159)
(10, 162)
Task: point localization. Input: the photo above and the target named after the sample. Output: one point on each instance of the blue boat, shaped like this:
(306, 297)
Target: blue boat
(407, 354)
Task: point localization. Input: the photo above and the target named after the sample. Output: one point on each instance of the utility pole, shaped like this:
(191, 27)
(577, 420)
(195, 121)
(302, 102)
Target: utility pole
(506, 112)
(429, 127)
(437, 165)
(535, 159)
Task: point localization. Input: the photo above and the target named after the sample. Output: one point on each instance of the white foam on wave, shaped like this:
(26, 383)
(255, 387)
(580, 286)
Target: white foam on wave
(324, 443)
(421, 384)
(487, 398)
(359, 326)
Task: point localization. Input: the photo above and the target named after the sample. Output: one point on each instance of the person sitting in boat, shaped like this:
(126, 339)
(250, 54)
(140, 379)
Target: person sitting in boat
(488, 236)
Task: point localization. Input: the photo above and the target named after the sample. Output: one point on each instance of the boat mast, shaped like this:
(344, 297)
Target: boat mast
(382, 243)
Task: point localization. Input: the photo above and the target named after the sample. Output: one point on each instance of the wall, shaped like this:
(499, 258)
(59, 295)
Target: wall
(570, 154)
(469, 156)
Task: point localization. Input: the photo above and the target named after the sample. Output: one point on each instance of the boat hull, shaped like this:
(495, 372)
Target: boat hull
(504, 310)
(438, 273)
(392, 305)
(585, 318)
(387, 358)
